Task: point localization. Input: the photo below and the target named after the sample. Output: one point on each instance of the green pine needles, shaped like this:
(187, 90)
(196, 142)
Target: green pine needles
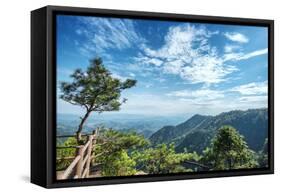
(95, 90)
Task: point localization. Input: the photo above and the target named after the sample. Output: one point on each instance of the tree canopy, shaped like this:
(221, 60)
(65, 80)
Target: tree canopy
(95, 90)
(162, 160)
(115, 152)
(228, 150)
(263, 155)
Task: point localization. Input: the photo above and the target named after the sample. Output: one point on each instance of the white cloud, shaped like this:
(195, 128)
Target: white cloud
(149, 61)
(254, 54)
(242, 56)
(254, 88)
(107, 33)
(236, 37)
(253, 99)
(149, 104)
(201, 94)
(132, 74)
(208, 102)
(187, 53)
(231, 48)
(207, 70)
(232, 56)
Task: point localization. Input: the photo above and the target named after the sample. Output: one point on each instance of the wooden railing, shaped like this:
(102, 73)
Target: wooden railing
(81, 164)
(193, 163)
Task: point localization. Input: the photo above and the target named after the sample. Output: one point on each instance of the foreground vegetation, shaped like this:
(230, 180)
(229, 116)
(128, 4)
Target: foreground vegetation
(125, 154)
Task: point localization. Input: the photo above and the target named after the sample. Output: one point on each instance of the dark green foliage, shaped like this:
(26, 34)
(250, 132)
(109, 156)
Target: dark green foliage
(129, 153)
(62, 164)
(118, 164)
(252, 124)
(162, 160)
(263, 155)
(118, 140)
(94, 90)
(229, 150)
(115, 152)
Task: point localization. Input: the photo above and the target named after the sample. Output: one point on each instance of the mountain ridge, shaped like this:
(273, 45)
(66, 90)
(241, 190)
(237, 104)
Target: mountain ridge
(196, 133)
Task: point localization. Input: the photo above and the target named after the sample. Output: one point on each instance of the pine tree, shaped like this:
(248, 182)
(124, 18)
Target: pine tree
(263, 155)
(163, 159)
(229, 150)
(95, 90)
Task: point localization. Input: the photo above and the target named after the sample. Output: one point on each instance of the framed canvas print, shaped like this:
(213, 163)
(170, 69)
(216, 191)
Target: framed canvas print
(125, 96)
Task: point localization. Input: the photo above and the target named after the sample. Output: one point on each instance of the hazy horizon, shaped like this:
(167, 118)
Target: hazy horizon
(118, 114)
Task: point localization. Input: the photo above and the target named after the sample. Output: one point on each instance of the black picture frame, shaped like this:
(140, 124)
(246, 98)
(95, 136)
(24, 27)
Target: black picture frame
(43, 95)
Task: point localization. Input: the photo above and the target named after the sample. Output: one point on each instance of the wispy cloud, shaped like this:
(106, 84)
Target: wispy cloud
(254, 54)
(252, 95)
(254, 99)
(237, 56)
(254, 88)
(148, 60)
(229, 48)
(236, 37)
(189, 101)
(100, 34)
(202, 94)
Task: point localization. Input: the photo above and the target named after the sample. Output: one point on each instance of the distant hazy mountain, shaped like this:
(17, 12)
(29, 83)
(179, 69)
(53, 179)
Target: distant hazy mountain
(146, 125)
(195, 133)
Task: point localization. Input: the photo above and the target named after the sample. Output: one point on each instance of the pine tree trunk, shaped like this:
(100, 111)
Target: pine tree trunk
(80, 128)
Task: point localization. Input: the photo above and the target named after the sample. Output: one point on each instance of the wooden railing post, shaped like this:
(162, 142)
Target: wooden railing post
(79, 167)
(89, 153)
(95, 135)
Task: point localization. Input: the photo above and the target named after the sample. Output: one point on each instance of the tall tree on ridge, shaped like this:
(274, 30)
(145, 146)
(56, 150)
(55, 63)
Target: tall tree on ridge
(95, 90)
(229, 150)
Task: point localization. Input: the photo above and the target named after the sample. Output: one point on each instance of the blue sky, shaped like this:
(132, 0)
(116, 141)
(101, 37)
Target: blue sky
(180, 67)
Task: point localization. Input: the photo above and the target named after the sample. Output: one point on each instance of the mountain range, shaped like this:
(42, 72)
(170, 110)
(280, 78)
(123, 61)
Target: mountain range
(142, 124)
(196, 133)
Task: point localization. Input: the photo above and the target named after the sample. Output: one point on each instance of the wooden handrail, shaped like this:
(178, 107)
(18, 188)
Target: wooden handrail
(84, 174)
(64, 136)
(89, 154)
(66, 158)
(85, 160)
(86, 146)
(69, 169)
(82, 161)
(66, 147)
